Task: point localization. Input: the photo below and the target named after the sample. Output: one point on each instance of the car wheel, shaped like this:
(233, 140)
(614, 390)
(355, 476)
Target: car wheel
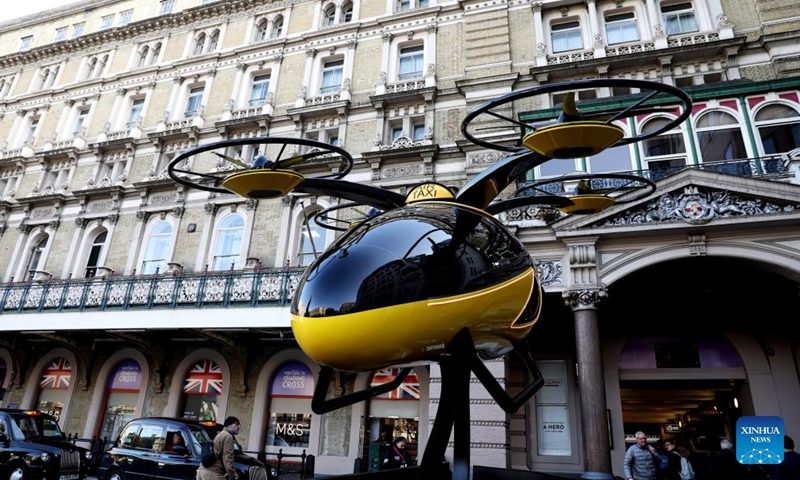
(17, 472)
(115, 475)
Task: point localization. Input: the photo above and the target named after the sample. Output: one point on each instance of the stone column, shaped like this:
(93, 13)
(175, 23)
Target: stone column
(597, 459)
(538, 34)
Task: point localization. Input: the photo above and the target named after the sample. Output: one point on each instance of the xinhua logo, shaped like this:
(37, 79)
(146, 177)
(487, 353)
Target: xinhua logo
(759, 440)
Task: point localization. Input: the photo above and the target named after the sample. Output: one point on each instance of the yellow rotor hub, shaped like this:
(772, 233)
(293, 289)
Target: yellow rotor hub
(260, 184)
(587, 204)
(577, 139)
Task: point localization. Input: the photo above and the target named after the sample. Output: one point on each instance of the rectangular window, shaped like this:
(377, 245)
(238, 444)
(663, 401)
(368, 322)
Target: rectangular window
(552, 410)
(32, 129)
(106, 22)
(165, 7)
(82, 115)
(77, 30)
(405, 5)
(332, 76)
(258, 93)
(396, 133)
(125, 18)
(61, 34)
(566, 36)
(411, 60)
(621, 28)
(25, 43)
(194, 101)
(679, 18)
(135, 113)
(418, 131)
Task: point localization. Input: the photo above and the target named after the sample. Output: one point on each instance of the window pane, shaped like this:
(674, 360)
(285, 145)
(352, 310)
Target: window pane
(616, 159)
(716, 119)
(780, 138)
(776, 112)
(670, 144)
(556, 167)
(718, 145)
(622, 32)
(567, 40)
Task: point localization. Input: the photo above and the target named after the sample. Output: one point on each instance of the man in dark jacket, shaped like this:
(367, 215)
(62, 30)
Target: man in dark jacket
(789, 469)
(224, 451)
(641, 460)
(396, 456)
(724, 465)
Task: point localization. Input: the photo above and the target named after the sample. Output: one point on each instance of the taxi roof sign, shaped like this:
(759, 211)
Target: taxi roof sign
(429, 191)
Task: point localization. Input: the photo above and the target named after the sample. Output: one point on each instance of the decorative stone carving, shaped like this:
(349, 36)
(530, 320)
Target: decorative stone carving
(484, 158)
(696, 206)
(658, 31)
(722, 21)
(598, 41)
(549, 272)
(381, 81)
(584, 299)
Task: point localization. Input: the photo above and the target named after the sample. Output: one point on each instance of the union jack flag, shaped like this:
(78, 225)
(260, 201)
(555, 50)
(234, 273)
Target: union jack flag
(57, 374)
(204, 378)
(408, 390)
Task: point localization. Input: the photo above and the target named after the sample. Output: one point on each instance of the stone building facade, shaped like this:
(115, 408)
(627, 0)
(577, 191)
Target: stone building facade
(110, 267)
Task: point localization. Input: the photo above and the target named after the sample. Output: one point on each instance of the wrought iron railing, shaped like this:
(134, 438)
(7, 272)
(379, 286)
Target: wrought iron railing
(746, 167)
(233, 288)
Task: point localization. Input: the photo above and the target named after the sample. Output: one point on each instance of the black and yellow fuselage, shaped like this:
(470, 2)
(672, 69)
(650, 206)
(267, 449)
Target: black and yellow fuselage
(396, 288)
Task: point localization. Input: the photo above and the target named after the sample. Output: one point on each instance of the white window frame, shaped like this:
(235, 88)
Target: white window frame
(678, 131)
(571, 26)
(135, 110)
(77, 30)
(260, 84)
(758, 124)
(81, 121)
(415, 52)
(678, 13)
(698, 130)
(302, 233)
(107, 21)
(621, 20)
(125, 18)
(148, 235)
(61, 34)
(9, 181)
(25, 267)
(25, 43)
(406, 5)
(165, 7)
(278, 26)
(194, 95)
(90, 239)
(217, 237)
(329, 66)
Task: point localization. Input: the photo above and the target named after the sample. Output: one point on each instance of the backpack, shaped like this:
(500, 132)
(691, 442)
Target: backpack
(207, 456)
(687, 473)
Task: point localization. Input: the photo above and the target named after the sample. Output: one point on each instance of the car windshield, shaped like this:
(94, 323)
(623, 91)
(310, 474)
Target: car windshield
(34, 426)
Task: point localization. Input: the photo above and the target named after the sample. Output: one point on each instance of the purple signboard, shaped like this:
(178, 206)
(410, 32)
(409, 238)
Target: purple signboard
(293, 379)
(127, 376)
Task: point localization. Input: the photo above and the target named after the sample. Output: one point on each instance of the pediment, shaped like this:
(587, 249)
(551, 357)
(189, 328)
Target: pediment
(696, 197)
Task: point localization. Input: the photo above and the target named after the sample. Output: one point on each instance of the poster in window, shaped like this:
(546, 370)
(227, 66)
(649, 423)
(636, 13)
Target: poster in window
(202, 388)
(552, 410)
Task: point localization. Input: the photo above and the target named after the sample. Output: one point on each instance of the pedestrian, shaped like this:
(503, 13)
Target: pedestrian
(789, 469)
(641, 460)
(396, 457)
(724, 465)
(224, 451)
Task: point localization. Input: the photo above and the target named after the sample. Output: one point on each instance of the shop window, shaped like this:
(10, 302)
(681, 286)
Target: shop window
(566, 36)
(720, 137)
(621, 28)
(290, 407)
(202, 388)
(122, 395)
(778, 128)
(552, 410)
(54, 385)
(392, 415)
(678, 18)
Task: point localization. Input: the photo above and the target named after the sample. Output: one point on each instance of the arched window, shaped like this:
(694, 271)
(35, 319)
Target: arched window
(665, 151)
(202, 389)
(329, 16)
(277, 27)
(312, 241)
(95, 254)
(229, 243)
(779, 128)
(212, 45)
(261, 30)
(155, 255)
(122, 396)
(720, 137)
(199, 42)
(35, 261)
(54, 385)
(143, 56)
(154, 55)
(347, 13)
(290, 395)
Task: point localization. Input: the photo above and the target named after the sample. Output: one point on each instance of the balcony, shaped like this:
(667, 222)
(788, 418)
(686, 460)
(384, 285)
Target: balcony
(223, 289)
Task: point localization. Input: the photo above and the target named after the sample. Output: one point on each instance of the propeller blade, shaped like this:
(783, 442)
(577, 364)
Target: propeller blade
(232, 160)
(605, 116)
(569, 107)
(290, 161)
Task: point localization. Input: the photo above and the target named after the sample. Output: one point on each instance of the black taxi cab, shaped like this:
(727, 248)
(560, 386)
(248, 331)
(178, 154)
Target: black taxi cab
(33, 447)
(153, 448)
